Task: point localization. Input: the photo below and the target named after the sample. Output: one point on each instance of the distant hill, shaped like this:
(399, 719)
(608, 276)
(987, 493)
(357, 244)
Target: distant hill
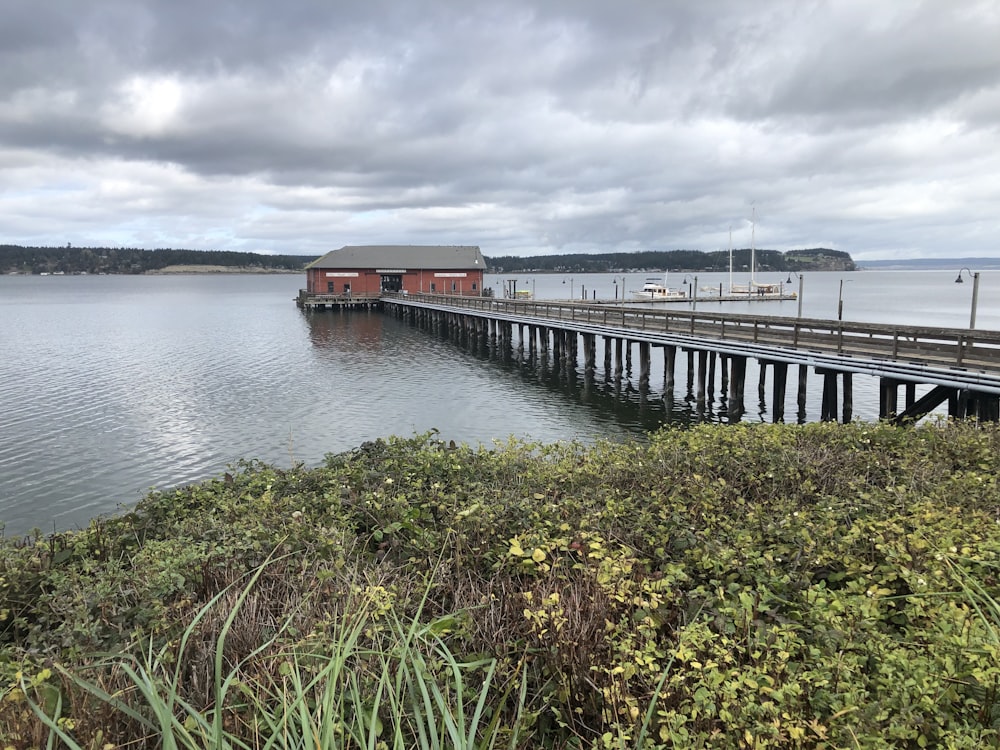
(931, 264)
(94, 260)
(812, 259)
(117, 260)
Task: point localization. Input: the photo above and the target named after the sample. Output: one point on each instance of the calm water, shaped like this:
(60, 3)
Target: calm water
(111, 386)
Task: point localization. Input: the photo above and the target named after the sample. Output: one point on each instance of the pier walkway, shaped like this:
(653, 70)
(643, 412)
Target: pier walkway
(962, 366)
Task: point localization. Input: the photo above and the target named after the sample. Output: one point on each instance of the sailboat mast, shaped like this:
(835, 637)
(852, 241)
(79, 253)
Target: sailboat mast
(753, 251)
(730, 258)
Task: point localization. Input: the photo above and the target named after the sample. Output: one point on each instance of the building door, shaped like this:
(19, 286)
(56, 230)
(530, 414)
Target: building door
(392, 282)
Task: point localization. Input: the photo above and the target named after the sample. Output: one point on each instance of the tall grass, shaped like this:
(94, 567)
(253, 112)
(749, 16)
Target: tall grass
(377, 681)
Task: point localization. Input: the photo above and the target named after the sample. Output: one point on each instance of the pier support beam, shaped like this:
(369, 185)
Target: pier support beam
(779, 379)
(669, 360)
(737, 382)
(589, 352)
(888, 398)
(690, 373)
(828, 411)
(702, 376)
(712, 357)
(847, 382)
(644, 356)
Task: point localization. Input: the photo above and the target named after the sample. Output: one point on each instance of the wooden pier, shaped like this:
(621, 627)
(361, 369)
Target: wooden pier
(958, 367)
(336, 301)
(961, 366)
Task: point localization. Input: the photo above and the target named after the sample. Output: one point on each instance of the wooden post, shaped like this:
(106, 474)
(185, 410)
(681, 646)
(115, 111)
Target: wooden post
(619, 343)
(801, 393)
(702, 375)
(848, 386)
(737, 381)
(589, 352)
(828, 411)
(669, 360)
(643, 365)
(712, 356)
(888, 398)
(690, 372)
(779, 375)
(608, 343)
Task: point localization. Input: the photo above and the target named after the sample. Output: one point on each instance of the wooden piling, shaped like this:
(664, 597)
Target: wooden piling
(847, 384)
(644, 356)
(779, 376)
(800, 396)
(828, 410)
(702, 375)
(712, 357)
(669, 360)
(737, 382)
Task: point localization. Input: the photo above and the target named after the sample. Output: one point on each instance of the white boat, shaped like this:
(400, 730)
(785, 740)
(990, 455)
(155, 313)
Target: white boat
(653, 290)
(758, 289)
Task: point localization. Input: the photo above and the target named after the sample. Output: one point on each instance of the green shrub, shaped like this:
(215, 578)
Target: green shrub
(741, 586)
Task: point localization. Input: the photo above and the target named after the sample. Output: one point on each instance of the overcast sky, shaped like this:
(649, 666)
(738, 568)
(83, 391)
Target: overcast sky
(522, 127)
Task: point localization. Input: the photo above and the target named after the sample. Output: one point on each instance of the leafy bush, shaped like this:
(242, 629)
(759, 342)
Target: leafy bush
(747, 586)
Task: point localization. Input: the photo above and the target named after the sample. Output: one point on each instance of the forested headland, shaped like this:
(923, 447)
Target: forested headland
(130, 260)
(16, 259)
(813, 259)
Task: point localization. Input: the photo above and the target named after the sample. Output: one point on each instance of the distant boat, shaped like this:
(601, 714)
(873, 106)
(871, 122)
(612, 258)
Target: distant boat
(653, 290)
(754, 288)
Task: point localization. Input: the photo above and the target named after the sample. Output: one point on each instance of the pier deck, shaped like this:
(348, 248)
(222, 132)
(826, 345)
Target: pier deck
(963, 365)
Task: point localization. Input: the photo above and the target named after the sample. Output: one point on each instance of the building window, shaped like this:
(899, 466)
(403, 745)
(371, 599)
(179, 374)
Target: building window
(473, 286)
(454, 286)
(433, 287)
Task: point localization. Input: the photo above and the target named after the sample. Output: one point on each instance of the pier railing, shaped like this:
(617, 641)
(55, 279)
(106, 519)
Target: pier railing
(964, 349)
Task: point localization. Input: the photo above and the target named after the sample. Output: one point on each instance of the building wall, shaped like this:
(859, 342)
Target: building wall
(368, 282)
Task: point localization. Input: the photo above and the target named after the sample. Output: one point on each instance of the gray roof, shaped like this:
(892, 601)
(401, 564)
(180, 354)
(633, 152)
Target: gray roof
(458, 257)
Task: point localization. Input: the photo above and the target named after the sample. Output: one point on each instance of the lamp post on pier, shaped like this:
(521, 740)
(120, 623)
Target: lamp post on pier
(801, 282)
(975, 292)
(692, 289)
(840, 300)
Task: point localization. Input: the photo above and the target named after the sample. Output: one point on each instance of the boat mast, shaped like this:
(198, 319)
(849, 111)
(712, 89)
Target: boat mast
(753, 251)
(730, 258)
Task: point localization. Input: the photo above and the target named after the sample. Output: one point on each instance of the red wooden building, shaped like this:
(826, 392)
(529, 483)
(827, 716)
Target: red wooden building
(369, 270)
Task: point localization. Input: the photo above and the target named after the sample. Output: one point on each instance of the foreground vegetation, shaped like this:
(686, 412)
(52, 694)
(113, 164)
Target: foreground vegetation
(749, 586)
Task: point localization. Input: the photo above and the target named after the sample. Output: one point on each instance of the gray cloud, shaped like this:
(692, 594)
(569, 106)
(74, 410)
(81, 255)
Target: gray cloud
(524, 127)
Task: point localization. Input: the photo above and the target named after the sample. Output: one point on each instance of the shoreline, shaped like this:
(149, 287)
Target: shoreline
(183, 269)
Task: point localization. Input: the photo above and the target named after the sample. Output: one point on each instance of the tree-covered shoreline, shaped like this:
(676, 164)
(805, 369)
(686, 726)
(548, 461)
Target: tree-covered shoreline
(15, 259)
(764, 586)
(814, 259)
(110, 260)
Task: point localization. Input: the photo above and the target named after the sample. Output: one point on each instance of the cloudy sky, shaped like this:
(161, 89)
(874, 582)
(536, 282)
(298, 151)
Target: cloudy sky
(521, 126)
